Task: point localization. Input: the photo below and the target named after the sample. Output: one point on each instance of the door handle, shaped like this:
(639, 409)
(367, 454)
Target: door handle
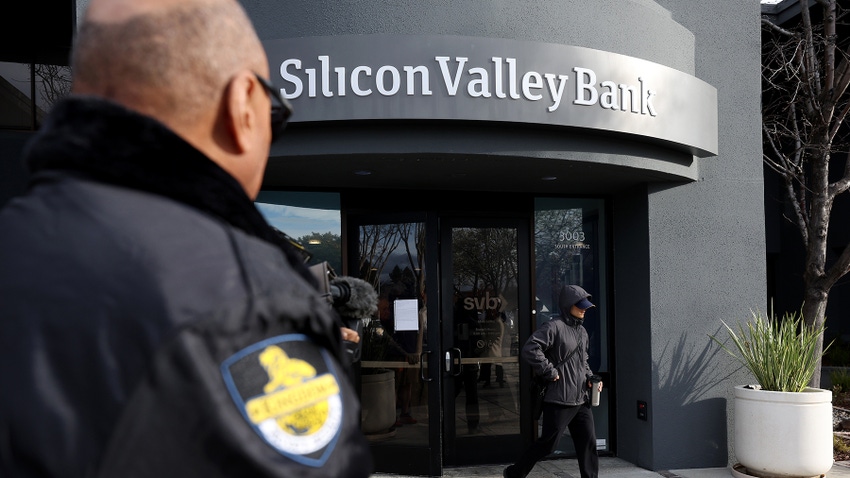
(453, 366)
(422, 358)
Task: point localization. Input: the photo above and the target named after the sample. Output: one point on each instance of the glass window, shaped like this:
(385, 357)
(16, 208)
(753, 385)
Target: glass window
(312, 220)
(485, 279)
(569, 236)
(570, 248)
(394, 396)
(17, 80)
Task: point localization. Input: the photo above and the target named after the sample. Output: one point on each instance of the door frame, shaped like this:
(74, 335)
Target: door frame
(359, 209)
(482, 450)
(389, 457)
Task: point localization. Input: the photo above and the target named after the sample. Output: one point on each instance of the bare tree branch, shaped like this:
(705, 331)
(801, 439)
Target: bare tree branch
(777, 28)
(843, 184)
(805, 106)
(840, 268)
(812, 75)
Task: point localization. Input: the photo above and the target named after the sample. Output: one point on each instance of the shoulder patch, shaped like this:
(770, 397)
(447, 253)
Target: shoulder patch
(288, 392)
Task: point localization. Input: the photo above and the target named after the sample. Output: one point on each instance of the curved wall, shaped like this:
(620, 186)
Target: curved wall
(636, 28)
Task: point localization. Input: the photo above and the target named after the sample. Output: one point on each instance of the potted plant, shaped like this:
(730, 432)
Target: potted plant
(783, 427)
(377, 394)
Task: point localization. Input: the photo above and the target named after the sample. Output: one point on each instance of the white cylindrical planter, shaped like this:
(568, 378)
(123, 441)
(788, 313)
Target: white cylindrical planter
(783, 434)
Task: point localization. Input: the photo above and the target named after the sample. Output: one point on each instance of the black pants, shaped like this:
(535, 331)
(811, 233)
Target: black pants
(556, 419)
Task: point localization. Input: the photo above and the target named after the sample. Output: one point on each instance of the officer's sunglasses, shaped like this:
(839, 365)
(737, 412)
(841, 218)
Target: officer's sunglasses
(281, 109)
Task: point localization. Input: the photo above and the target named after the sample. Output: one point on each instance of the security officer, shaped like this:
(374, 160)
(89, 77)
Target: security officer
(152, 324)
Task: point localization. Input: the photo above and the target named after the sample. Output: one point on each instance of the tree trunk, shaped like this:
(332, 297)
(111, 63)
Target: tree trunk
(814, 315)
(806, 96)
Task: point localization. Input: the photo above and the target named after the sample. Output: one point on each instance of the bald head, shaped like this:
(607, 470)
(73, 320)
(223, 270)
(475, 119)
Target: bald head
(170, 59)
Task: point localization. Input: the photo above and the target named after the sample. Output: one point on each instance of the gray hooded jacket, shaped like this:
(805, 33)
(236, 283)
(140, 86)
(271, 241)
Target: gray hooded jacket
(553, 342)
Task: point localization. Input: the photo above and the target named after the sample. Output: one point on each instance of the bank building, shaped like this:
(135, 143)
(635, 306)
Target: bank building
(468, 158)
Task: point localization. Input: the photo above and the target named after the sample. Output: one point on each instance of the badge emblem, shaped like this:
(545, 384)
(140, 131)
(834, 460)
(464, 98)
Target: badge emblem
(288, 392)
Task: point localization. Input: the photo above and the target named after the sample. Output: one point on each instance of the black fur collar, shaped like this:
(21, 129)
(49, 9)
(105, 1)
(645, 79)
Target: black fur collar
(100, 140)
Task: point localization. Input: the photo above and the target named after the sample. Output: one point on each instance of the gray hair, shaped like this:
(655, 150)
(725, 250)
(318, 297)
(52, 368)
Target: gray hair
(173, 63)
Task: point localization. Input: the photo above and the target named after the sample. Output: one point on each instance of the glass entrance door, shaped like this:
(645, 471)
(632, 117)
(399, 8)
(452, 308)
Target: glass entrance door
(439, 373)
(438, 386)
(399, 377)
(484, 296)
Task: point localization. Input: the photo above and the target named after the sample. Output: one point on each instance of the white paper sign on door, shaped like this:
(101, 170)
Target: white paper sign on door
(406, 314)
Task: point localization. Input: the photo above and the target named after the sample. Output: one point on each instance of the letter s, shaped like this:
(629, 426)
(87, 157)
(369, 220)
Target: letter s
(469, 303)
(284, 73)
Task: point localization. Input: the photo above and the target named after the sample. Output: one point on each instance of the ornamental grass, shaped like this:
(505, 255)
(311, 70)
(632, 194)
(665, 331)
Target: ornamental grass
(781, 353)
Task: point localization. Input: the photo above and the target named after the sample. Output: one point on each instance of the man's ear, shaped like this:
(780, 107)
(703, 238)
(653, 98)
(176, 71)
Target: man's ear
(241, 118)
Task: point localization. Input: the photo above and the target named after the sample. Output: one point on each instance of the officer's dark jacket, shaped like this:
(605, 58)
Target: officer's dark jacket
(151, 323)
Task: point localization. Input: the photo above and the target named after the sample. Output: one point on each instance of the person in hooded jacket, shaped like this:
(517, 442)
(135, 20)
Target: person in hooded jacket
(152, 324)
(557, 352)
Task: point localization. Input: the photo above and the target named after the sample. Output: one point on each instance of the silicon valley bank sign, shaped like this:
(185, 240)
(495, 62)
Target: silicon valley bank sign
(395, 77)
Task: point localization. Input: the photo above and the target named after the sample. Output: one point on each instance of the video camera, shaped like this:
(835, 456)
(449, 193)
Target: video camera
(353, 299)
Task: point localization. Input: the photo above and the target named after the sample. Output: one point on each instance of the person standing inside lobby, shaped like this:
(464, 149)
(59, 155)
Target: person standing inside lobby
(563, 340)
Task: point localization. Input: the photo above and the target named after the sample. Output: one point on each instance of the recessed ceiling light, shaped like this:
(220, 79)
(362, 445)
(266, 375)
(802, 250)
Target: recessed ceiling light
(362, 172)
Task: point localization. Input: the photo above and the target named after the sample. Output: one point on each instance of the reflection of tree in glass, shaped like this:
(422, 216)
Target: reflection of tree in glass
(417, 258)
(55, 81)
(549, 225)
(323, 247)
(484, 258)
(377, 244)
(404, 278)
(400, 284)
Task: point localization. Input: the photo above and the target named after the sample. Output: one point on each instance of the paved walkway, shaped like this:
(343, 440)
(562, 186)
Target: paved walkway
(609, 467)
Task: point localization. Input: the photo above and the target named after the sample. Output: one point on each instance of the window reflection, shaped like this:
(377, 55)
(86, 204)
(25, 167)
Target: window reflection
(484, 279)
(310, 219)
(20, 109)
(392, 258)
(569, 244)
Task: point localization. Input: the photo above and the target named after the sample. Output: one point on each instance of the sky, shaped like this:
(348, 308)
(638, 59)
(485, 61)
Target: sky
(299, 222)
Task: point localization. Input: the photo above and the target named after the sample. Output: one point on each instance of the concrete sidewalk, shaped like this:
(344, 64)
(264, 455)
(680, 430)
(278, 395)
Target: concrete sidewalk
(608, 467)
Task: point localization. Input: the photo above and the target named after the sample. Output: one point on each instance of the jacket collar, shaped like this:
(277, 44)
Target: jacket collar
(100, 140)
(572, 320)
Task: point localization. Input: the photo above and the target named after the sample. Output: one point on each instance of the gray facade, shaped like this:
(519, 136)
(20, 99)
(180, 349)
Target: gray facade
(688, 232)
